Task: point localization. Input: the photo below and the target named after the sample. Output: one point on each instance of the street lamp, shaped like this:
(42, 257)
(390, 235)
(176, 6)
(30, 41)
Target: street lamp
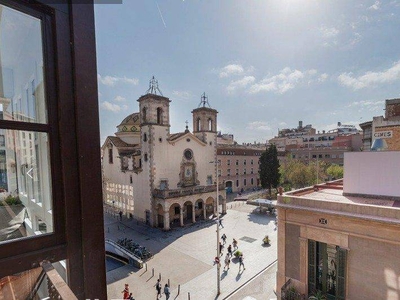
(218, 252)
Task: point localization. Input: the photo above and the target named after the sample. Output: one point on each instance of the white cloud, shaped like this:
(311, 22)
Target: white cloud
(370, 78)
(232, 69)
(356, 38)
(182, 94)
(368, 105)
(258, 125)
(328, 32)
(111, 107)
(112, 80)
(119, 99)
(241, 83)
(323, 77)
(286, 80)
(375, 6)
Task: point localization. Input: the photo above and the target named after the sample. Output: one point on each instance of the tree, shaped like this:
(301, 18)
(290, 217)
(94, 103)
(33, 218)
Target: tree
(335, 171)
(269, 168)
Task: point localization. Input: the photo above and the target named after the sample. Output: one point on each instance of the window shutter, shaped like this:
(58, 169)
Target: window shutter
(311, 266)
(341, 273)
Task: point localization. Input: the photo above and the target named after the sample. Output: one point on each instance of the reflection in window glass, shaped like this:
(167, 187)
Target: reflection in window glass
(25, 187)
(22, 91)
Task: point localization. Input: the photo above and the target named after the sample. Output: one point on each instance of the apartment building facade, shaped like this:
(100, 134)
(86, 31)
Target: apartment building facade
(239, 166)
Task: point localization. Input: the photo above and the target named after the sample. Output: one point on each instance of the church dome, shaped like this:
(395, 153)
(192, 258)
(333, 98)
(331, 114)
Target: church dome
(130, 124)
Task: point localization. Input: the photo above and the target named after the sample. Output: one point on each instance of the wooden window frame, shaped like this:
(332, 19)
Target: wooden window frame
(71, 88)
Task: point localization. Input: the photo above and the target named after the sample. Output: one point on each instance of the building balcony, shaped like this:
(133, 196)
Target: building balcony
(176, 193)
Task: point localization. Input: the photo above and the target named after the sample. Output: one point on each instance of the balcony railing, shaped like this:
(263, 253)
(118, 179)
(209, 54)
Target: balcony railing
(175, 193)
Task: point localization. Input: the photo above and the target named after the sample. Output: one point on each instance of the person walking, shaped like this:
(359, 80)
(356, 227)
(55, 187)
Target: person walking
(235, 244)
(158, 288)
(166, 291)
(223, 237)
(125, 292)
(241, 262)
(227, 261)
(230, 250)
(221, 248)
(220, 223)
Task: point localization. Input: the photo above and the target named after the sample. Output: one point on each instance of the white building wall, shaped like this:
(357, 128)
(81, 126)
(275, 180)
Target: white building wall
(372, 173)
(168, 157)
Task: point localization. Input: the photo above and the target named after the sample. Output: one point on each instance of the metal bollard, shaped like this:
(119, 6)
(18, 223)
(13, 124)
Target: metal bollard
(188, 296)
(159, 276)
(152, 272)
(179, 288)
(146, 267)
(169, 283)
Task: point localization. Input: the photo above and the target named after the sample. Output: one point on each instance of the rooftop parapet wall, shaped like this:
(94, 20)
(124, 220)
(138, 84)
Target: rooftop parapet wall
(372, 174)
(331, 201)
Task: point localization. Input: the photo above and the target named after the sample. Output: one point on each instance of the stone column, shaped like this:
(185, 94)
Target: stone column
(166, 220)
(224, 206)
(181, 216)
(193, 214)
(204, 211)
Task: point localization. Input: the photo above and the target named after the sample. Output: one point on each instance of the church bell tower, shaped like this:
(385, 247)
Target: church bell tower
(205, 121)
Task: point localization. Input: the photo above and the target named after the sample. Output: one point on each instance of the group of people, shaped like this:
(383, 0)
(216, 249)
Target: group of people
(127, 295)
(167, 291)
(229, 253)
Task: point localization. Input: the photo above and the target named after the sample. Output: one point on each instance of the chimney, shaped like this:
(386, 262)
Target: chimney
(323, 131)
(339, 124)
(300, 124)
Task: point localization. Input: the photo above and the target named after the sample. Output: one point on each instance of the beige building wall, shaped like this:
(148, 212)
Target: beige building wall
(373, 264)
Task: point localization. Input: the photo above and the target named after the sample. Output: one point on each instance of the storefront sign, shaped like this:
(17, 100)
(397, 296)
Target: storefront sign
(383, 134)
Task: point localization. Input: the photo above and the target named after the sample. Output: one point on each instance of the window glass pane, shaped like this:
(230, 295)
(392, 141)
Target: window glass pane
(25, 185)
(22, 90)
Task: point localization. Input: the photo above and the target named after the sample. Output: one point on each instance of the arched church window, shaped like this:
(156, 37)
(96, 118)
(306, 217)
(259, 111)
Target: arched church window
(145, 137)
(144, 111)
(145, 157)
(210, 124)
(198, 125)
(159, 115)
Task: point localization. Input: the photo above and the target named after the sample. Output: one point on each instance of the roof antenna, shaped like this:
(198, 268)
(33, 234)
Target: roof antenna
(153, 87)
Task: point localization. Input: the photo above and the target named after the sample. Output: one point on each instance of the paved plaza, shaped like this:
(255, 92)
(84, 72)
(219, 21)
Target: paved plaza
(184, 256)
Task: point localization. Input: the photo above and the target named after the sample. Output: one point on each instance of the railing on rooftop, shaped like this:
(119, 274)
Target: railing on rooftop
(175, 193)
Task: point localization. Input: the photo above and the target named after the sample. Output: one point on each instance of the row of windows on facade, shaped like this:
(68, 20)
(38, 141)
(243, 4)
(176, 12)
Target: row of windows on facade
(319, 156)
(228, 172)
(239, 153)
(320, 138)
(228, 162)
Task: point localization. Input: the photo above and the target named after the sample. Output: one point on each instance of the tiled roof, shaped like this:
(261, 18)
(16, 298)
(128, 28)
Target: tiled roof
(176, 136)
(120, 143)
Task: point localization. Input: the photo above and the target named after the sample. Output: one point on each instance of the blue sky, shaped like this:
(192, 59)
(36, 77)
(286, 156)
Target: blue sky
(264, 65)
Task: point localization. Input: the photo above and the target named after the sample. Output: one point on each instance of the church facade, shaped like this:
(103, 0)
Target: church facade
(159, 178)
